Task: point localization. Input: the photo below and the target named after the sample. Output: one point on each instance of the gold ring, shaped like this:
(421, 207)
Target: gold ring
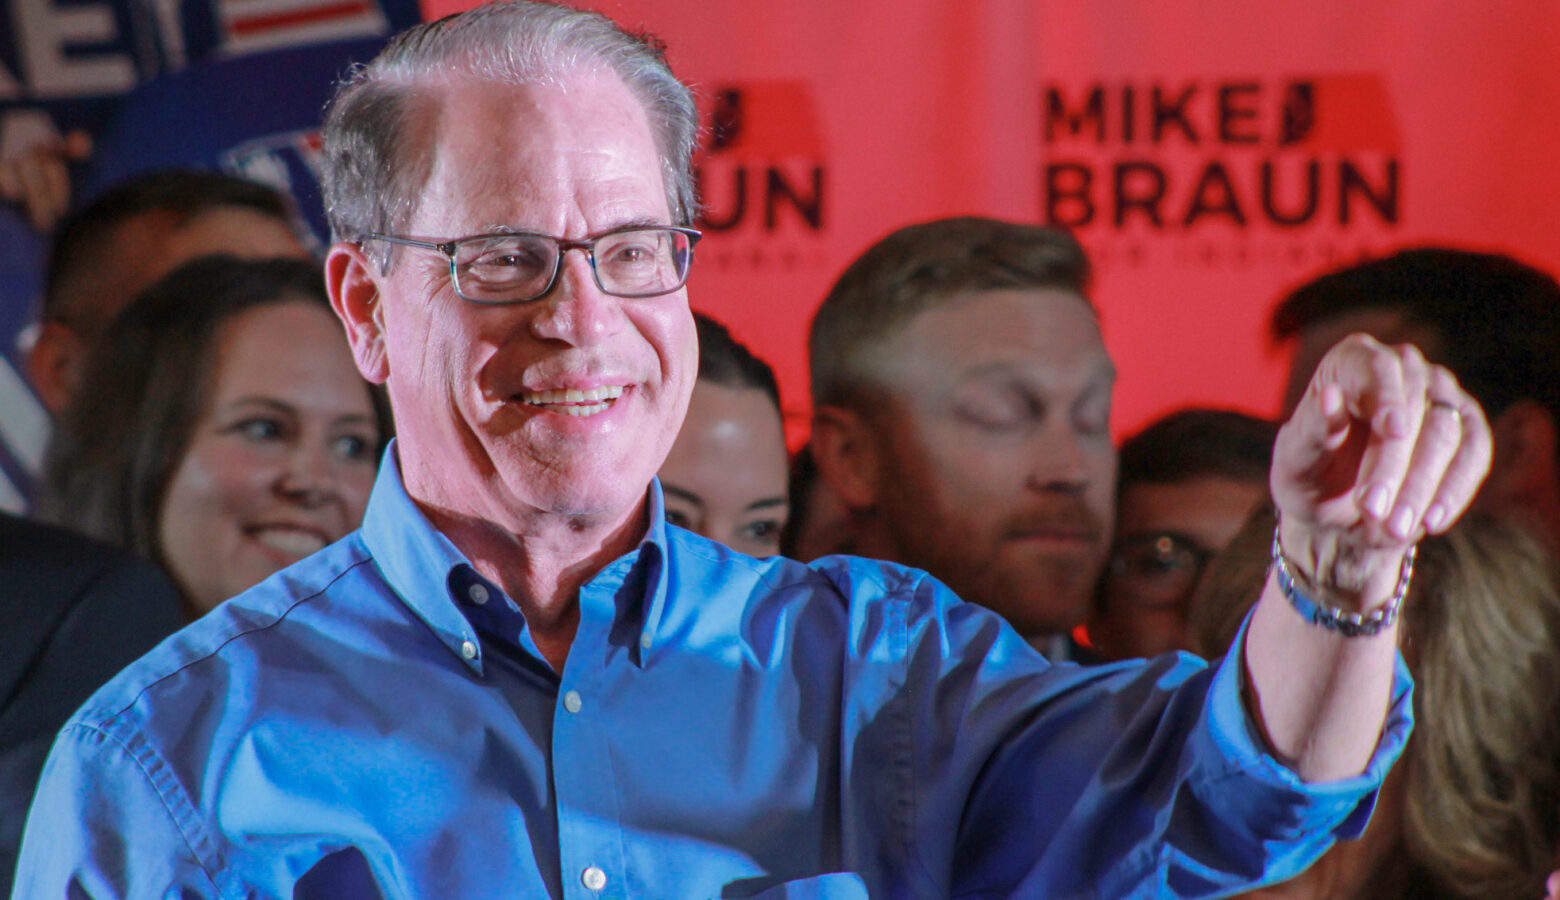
(1449, 407)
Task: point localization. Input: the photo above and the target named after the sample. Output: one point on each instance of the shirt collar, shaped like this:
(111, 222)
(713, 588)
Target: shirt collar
(634, 586)
(652, 555)
(417, 560)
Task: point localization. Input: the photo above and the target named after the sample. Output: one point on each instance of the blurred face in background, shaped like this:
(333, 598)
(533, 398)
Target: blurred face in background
(725, 477)
(994, 468)
(279, 463)
(1165, 536)
(141, 251)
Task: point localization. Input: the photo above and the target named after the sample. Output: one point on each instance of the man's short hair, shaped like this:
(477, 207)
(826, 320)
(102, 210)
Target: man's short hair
(84, 241)
(921, 267)
(373, 165)
(1497, 320)
(726, 361)
(1198, 443)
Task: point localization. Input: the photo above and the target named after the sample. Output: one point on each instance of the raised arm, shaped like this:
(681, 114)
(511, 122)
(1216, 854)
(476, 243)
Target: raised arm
(1383, 449)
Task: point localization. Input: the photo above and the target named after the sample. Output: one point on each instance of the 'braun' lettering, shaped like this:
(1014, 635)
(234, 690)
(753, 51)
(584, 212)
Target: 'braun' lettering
(1283, 192)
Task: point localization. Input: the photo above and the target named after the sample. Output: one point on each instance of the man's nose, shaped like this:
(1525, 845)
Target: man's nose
(577, 311)
(1060, 461)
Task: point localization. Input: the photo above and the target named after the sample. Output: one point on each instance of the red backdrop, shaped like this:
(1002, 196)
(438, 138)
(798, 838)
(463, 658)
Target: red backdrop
(1209, 154)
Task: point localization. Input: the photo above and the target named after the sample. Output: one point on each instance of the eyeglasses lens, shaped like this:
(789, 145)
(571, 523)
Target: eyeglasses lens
(1154, 570)
(640, 262)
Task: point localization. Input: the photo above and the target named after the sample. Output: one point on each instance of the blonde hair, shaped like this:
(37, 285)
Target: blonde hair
(1231, 585)
(1481, 634)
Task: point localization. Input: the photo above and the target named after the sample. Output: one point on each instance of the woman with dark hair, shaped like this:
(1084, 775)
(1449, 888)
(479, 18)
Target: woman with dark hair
(725, 477)
(222, 430)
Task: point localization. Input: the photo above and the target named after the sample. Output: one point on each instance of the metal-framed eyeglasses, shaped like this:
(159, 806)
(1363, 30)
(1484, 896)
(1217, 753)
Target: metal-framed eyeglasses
(518, 267)
(1155, 569)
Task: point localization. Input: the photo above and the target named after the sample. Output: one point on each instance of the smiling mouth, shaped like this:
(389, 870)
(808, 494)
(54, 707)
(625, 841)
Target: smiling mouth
(573, 402)
(289, 541)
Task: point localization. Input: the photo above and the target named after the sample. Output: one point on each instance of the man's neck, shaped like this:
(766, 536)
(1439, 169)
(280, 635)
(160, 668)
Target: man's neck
(869, 537)
(542, 561)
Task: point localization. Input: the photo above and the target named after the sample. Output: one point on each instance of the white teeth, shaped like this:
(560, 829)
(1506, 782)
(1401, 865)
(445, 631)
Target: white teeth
(572, 395)
(584, 410)
(292, 541)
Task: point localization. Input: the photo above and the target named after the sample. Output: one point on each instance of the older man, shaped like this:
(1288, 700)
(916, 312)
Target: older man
(518, 681)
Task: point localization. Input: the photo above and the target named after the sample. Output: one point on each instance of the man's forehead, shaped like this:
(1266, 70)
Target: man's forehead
(1045, 338)
(582, 136)
(131, 257)
(1388, 324)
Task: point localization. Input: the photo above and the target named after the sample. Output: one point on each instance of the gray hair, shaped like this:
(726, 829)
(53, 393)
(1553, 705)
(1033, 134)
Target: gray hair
(373, 169)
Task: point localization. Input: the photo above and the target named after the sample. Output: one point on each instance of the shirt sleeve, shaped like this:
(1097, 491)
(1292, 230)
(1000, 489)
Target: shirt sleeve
(1144, 778)
(99, 828)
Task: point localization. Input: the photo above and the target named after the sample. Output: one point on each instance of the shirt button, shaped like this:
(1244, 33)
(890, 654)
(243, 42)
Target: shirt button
(594, 878)
(468, 650)
(478, 594)
(571, 702)
(644, 640)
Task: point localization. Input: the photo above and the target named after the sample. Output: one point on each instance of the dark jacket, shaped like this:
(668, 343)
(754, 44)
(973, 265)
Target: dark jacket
(73, 612)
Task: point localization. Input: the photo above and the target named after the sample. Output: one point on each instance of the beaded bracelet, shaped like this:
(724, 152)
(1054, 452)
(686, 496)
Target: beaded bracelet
(1348, 624)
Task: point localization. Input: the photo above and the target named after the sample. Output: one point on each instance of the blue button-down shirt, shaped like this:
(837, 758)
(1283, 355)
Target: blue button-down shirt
(376, 721)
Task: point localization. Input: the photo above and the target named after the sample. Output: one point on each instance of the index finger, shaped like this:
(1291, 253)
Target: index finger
(1384, 387)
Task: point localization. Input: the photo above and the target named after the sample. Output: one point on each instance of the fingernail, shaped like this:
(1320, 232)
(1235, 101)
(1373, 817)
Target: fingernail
(1402, 523)
(1375, 501)
(1392, 422)
(1332, 403)
(1434, 516)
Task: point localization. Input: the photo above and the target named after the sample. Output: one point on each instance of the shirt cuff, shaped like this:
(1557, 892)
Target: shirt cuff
(1273, 794)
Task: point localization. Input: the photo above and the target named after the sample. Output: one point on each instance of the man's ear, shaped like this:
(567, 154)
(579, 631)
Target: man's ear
(54, 365)
(1525, 458)
(354, 294)
(846, 453)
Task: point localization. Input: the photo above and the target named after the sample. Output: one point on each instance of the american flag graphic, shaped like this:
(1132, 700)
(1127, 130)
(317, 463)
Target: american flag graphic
(251, 25)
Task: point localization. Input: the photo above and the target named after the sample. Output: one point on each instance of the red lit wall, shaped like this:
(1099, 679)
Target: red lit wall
(1209, 154)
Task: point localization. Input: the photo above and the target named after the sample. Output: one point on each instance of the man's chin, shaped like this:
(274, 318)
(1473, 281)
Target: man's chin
(503, 481)
(1045, 600)
(589, 496)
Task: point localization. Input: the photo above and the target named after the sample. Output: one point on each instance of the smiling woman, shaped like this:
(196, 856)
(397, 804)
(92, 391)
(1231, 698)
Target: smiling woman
(223, 430)
(726, 475)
